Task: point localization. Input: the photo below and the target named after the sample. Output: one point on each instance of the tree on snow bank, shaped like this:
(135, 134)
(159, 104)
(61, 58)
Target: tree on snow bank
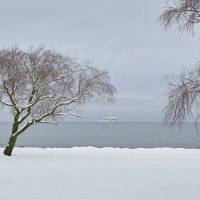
(40, 85)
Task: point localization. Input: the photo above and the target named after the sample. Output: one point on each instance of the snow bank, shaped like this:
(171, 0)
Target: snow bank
(100, 174)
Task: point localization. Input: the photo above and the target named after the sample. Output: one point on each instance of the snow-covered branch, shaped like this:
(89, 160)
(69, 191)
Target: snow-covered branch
(6, 103)
(55, 79)
(48, 122)
(23, 128)
(70, 113)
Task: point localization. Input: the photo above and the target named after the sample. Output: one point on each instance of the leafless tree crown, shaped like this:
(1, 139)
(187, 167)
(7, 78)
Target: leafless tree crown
(183, 98)
(184, 13)
(40, 84)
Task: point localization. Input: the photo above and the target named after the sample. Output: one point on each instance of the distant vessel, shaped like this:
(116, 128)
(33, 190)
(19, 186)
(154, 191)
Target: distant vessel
(107, 119)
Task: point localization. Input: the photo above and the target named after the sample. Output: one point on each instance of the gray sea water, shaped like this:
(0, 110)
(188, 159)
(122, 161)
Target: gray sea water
(120, 134)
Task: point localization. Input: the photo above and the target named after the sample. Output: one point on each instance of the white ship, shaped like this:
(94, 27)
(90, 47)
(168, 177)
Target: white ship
(107, 119)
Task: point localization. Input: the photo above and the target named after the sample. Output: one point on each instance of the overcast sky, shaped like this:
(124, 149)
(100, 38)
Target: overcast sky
(120, 36)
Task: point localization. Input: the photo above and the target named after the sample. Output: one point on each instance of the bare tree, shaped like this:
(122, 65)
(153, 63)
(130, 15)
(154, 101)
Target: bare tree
(183, 98)
(183, 13)
(40, 85)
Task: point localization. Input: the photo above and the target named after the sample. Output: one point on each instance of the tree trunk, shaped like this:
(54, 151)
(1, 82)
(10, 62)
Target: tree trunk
(9, 148)
(12, 140)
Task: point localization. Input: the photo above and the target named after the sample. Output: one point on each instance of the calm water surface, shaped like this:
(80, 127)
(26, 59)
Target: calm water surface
(120, 134)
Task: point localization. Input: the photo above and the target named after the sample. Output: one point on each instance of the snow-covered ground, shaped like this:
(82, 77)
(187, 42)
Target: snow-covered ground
(100, 174)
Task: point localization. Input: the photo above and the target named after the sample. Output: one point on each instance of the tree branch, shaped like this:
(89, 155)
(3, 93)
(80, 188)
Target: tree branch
(70, 113)
(48, 122)
(6, 104)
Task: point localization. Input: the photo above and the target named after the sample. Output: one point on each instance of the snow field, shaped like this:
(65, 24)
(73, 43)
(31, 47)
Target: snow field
(87, 173)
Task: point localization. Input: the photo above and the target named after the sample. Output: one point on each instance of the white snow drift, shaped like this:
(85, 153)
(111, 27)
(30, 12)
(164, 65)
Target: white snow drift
(100, 174)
